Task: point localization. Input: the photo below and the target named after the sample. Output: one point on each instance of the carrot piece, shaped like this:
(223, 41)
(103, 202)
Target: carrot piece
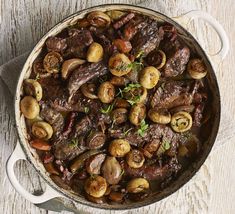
(40, 145)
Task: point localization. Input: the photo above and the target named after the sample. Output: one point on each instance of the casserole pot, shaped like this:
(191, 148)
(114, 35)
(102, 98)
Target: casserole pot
(24, 151)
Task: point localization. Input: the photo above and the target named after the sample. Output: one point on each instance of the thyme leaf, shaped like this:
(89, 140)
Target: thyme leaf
(127, 131)
(143, 128)
(166, 144)
(73, 143)
(37, 77)
(86, 110)
(108, 109)
(131, 86)
(135, 100)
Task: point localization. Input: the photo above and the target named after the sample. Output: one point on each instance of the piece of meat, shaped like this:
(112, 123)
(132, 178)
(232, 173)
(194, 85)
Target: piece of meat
(63, 150)
(198, 115)
(69, 123)
(56, 44)
(176, 62)
(133, 26)
(172, 93)
(147, 39)
(82, 126)
(78, 103)
(85, 73)
(77, 43)
(54, 118)
(52, 88)
(166, 93)
(154, 172)
(123, 20)
(170, 32)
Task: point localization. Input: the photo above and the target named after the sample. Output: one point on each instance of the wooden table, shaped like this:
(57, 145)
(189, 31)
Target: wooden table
(23, 22)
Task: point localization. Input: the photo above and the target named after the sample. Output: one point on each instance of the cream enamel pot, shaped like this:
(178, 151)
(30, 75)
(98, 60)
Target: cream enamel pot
(24, 151)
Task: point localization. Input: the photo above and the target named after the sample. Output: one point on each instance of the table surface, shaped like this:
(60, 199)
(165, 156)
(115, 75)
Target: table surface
(23, 22)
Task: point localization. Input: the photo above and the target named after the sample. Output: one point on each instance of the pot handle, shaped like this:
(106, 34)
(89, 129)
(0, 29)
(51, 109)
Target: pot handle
(49, 193)
(186, 18)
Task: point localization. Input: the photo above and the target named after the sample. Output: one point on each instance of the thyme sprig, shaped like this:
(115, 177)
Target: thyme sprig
(143, 128)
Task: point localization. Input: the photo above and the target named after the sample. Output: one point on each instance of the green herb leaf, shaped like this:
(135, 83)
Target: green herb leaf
(107, 110)
(140, 55)
(166, 144)
(131, 86)
(86, 110)
(143, 127)
(119, 93)
(123, 66)
(74, 143)
(37, 77)
(137, 66)
(127, 131)
(135, 100)
(122, 172)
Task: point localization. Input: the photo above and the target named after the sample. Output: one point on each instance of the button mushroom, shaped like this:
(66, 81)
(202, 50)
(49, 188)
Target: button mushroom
(98, 19)
(119, 148)
(137, 114)
(119, 115)
(115, 14)
(95, 52)
(149, 77)
(121, 103)
(135, 93)
(157, 58)
(52, 62)
(93, 164)
(33, 88)
(161, 116)
(106, 92)
(88, 90)
(42, 130)
(119, 64)
(95, 140)
(181, 121)
(135, 158)
(137, 185)
(69, 65)
(119, 81)
(196, 69)
(112, 170)
(29, 107)
(96, 186)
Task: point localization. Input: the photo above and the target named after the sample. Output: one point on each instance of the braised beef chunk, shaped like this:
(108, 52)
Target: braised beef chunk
(53, 117)
(198, 114)
(52, 87)
(133, 26)
(128, 121)
(147, 39)
(85, 73)
(123, 20)
(171, 94)
(56, 44)
(77, 43)
(154, 172)
(64, 150)
(176, 63)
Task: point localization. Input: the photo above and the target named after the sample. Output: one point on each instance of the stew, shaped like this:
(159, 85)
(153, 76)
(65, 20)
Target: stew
(115, 105)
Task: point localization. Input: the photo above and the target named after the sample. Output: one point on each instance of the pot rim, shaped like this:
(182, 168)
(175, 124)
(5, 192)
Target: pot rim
(198, 163)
